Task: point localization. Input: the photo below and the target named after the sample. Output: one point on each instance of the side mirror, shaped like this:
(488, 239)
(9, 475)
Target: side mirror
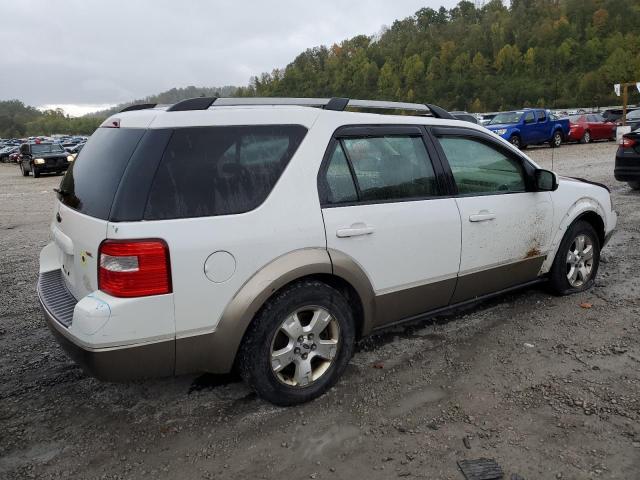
(545, 181)
(24, 149)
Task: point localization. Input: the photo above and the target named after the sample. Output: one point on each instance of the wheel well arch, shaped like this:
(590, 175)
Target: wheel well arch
(595, 221)
(335, 281)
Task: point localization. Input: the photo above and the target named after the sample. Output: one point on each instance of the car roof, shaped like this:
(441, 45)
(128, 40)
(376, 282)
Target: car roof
(160, 117)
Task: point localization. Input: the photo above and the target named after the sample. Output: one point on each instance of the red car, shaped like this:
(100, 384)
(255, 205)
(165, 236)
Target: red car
(590, 126)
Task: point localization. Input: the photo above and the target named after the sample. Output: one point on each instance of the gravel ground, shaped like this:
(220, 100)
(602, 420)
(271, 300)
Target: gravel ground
(547, 388)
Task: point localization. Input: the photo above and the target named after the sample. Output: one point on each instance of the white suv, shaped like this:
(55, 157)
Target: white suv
(270, 234)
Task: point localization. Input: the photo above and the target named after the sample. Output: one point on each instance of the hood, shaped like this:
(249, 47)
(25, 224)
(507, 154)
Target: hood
(497, 126)
(50, 155)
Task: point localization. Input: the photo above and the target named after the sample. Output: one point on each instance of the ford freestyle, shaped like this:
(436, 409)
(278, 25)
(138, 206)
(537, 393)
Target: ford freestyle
(269, 235)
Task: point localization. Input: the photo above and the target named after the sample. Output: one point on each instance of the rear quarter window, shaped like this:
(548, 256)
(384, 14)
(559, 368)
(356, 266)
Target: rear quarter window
(208, 171)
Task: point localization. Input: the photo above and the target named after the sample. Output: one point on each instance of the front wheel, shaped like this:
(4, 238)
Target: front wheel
(299, 344)
(634, 185)
(556, 140)
(35, 171)
(576, 264)
(23, 171)
(515, 141)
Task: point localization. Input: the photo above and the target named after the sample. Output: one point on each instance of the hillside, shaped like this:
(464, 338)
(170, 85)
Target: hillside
(172, 96)
(554, 53)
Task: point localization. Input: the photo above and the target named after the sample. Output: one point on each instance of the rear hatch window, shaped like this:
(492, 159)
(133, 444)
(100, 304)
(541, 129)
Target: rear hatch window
(207, 171)
(91, 182)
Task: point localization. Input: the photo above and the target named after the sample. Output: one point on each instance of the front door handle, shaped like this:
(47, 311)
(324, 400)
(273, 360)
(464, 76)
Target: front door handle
(355, 230)
(482, 216)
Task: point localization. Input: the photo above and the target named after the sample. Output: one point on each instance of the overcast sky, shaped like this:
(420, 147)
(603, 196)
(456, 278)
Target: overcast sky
(84, 54)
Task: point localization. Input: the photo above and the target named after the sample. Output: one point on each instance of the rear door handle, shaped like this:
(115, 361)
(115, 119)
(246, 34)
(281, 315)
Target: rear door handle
(355, 230)
(482, 216)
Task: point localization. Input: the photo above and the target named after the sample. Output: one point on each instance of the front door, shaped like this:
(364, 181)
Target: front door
(383, 206)
(506, 227)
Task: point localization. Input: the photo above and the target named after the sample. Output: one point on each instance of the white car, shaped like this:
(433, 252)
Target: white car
(268, 235)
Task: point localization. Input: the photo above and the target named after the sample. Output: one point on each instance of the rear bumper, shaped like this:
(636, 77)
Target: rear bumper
(627, 174)
(627, 167)
(113, 363)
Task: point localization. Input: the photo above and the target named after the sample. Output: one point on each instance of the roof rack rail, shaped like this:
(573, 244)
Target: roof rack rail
(198, 103)
(139, 106)
(338, 104)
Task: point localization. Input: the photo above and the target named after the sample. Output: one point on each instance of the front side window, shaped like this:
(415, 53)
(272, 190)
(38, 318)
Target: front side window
(391, 167)
(208, 171)
(479, 169)
(542, 116)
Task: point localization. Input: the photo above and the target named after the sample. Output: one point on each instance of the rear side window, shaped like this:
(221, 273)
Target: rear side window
(90, 183)
(207, 171)
(339, 186)
(391, 168)
(386, 168)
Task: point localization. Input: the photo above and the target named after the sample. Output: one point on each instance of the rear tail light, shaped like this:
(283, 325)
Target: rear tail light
(628, 142)
(134, 268)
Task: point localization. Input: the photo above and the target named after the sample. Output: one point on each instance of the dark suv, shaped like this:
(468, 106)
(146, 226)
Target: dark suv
(40, 158)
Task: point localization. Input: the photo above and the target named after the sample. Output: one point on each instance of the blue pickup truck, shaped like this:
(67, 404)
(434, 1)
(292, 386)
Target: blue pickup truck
(530, 127)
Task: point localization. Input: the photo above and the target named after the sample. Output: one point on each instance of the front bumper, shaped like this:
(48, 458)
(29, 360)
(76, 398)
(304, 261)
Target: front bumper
(111, 364)
(53, 165)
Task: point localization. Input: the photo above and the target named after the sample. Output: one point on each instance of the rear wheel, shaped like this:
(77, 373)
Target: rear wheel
(556, 140)
(35, 171)
(586, 138)
(576, 264)
(634, 185)
(23, 171)
(299, 343)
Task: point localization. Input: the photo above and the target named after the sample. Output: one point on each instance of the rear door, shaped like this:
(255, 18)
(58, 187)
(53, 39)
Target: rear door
(506, 227)
(542, 126)
(85, 198)
(385, 206)
(530, 130)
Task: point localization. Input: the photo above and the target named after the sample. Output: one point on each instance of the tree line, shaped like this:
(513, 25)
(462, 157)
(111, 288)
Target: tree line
(551, 53)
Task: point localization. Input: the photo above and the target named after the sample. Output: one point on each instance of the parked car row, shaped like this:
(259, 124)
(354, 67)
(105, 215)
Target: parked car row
(37, 155)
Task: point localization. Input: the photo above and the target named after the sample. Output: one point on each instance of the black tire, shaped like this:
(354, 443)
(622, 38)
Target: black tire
(254, 357)
(35, 171)
(23, 171)
(556, 140)
(558, 281)
(515, 141)
(586, 137)
(634, 185)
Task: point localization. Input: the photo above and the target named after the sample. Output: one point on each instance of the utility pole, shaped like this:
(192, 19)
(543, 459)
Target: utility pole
(625, 98)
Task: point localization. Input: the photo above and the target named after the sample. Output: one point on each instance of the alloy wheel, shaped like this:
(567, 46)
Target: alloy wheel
(580, 261)
(304, 346)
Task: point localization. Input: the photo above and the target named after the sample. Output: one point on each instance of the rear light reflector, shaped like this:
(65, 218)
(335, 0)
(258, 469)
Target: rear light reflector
(628, 142)
(134, 268)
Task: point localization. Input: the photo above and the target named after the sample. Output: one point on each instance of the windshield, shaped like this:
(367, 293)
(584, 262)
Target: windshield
(506, 117)
(46, 148)
(633, 115)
